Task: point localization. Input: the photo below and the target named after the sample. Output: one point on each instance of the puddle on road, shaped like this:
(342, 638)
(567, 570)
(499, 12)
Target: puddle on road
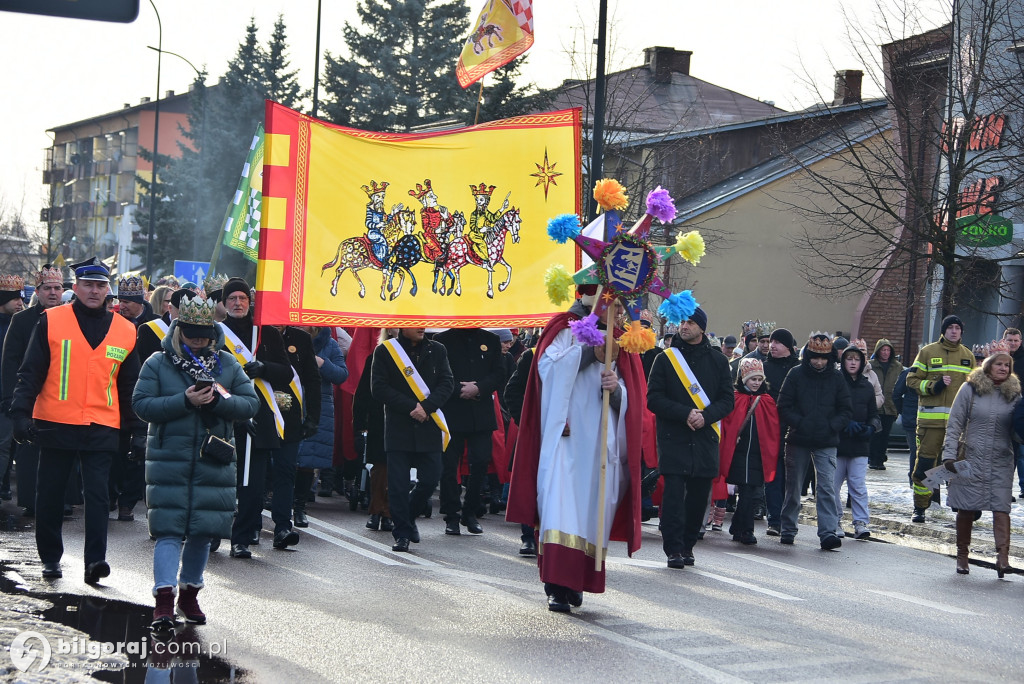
(183, 656)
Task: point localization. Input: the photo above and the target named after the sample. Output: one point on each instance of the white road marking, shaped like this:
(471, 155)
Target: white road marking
(922, 602)
(388, 557)
(352, 547)
(702, 573)
(775, 564)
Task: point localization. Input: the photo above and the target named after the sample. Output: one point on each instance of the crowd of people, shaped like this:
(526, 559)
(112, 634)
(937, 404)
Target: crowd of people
(171, 394)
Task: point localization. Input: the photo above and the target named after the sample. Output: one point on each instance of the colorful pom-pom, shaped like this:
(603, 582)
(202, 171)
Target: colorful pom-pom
(563, 228)
(559, 284)
(585, 330)
(690, 246)
(660, 205)
(678, 308)
(610, 194)
(637, 339)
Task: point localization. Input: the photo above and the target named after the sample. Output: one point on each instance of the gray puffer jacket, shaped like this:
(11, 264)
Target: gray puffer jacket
(990, 448)
(185, 494)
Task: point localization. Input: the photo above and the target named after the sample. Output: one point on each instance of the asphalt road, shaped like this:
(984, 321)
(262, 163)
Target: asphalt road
(343, 607)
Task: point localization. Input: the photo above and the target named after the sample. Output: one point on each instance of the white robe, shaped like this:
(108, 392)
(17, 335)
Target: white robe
(568, 471)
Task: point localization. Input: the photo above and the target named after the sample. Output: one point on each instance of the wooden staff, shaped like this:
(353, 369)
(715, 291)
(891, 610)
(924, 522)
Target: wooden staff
(479, 99)
(609, 342)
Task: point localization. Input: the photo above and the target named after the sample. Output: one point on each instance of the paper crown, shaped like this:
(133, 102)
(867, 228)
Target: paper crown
(861, 343)
(758, 327)
(11, 283)
(750, 366)
(131, 286)
(214, 283)
(196, 311)
(373, 188)
(483, 189)
(49, 274)
(819, 343)
(421, 190)
(990, 348)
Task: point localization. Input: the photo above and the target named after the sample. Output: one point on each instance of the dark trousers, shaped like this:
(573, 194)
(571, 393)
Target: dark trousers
(479, 455)
(57, 465)
(880, 440)
(127, 481)
(249, 516)
(775, 493)
(743, 517)
(26, 464)
(683, 504)
(405, 506)
(283, 462)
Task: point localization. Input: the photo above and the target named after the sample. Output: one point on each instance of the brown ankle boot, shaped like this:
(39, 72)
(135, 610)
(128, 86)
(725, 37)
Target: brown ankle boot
(163, 613)
(1001, 532)
(964, 525)
(188, 606)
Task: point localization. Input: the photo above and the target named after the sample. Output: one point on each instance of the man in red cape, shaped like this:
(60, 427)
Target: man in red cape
(554, 476)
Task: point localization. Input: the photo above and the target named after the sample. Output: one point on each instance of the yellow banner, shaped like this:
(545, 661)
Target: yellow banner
(439, 229)
(502, 32)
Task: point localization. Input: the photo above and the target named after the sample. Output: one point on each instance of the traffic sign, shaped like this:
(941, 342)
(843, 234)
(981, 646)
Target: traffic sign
(191, 271)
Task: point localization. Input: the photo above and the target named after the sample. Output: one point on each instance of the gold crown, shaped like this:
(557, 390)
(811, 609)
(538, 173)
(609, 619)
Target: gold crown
(12, 283)
(214, 282)
(861, 343)
(196, 311)
(421, 190)
(131, 286)
(372, 189)
(750, 366)
(758, 328)
(819, 343)
(49, 274)
(484, 189)
(990, 348)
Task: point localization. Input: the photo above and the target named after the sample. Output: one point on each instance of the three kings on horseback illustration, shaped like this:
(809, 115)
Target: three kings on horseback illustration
(393, 245)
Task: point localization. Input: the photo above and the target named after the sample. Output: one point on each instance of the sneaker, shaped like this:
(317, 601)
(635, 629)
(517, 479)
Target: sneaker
(773, 531)
(861, 530)
(840, 532)
(716, 527)
(787, 539)
(831, 542)
(918, 515)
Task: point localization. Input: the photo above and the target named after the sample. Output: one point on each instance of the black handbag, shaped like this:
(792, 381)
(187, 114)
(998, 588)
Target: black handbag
(217, 450)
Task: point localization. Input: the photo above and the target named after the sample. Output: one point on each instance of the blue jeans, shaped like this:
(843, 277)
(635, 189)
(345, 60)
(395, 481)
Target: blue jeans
(854, 471)
(797, 460)
(169, 556)
(1020, 466)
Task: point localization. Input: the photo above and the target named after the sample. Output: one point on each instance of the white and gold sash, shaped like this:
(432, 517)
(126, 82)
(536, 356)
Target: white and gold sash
(244, 356)
(296, 387)
(419, 388)
(690, 383)
(158, 327)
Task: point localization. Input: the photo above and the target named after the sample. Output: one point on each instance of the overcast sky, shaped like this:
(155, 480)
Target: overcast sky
(58, 71)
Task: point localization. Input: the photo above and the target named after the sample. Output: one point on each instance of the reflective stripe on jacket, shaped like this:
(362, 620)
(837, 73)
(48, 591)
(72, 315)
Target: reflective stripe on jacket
(934, 361)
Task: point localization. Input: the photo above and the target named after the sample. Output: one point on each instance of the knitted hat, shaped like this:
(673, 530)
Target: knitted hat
(951, 320)
(729, 341)
(749, 367)
(783, 337)
(840, 343)
(700, 318)
(131, 289)
(235, 285)
(11, 287)
(504, 334)
(195, 318)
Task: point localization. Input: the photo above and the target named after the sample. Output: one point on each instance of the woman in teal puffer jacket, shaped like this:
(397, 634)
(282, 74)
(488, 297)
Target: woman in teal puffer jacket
(191, 499)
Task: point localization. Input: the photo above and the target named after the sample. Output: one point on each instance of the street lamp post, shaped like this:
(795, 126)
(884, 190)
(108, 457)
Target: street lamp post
(156, 140)
(200, 77)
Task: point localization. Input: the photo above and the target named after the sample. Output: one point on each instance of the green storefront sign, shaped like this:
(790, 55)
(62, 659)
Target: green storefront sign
(987, 230)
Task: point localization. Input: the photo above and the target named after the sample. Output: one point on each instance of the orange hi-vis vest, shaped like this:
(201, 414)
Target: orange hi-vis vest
(81, 386)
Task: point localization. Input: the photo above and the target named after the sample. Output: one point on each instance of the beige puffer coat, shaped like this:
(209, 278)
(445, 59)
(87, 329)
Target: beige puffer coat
(990, 448)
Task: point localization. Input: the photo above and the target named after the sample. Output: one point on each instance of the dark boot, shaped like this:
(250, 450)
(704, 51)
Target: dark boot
(303, 483)
(326, 482)
(163, 613)
(1001, 531)
(964, 525)
(188, 606)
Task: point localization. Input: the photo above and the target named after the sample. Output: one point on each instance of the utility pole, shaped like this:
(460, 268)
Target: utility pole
(597, 131)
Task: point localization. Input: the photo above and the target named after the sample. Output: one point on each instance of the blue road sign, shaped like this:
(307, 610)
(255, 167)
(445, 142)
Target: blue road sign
(194, 271)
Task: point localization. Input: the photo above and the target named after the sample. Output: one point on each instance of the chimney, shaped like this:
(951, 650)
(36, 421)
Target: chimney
(169, 93)
(662, 61)
(848, 83)
(144, 100)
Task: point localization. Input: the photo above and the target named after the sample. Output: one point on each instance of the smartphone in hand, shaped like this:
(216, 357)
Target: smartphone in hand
(203, 384)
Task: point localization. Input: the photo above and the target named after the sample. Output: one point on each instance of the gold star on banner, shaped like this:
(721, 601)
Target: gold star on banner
(546, 174)
(608, 296)
(619, 227)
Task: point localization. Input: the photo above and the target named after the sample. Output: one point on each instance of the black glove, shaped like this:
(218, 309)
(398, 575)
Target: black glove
(939, 385)
(24, 428)
(137, 451)
(124, 442)
(950, 465)
(310, 427)
(254, 369)
(359, 441)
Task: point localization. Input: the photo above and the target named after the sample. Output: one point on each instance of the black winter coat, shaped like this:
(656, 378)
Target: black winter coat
(368, 416)
(775, 372)
(388, 385)
(276, 371)
(515, 390)
(864, 411)
(15, 345)
(302, 422)
(905, 400)
(682, 451)
(814, 405)
(474, 355)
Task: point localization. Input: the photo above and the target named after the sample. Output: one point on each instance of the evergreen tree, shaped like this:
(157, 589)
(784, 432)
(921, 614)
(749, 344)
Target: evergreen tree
(504, 97)
(400, 70)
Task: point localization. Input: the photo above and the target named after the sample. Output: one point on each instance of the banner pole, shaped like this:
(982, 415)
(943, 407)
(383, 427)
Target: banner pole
(479, 99)
(609, 341)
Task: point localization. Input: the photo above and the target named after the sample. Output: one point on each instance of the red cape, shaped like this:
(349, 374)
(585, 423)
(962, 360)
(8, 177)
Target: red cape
(522, 498)
(767, 417)
(364, 341)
